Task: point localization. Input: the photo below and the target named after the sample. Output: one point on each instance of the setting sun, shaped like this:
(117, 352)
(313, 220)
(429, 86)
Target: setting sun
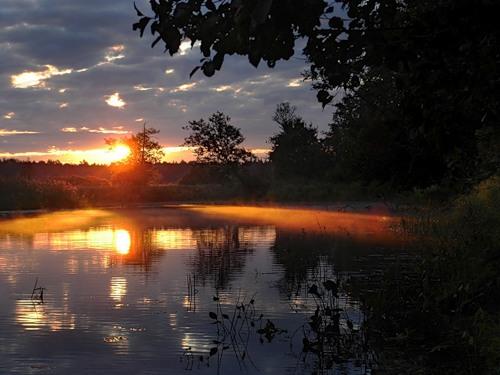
(116, 153)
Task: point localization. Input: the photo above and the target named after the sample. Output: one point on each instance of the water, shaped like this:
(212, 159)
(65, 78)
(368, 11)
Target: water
(130, 291)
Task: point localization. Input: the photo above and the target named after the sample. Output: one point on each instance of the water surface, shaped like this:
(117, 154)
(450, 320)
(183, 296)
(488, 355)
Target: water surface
(130, 291)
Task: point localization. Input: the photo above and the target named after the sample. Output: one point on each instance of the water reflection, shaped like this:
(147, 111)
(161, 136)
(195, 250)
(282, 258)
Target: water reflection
(118, 282)
(118, 289)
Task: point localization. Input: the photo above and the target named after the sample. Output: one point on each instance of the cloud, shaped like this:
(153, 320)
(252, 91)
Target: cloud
(9, 115)
(37, 79)
(184, 87)
(115, 53)
(295, 82)
(7, 132)
(72, 53)
(114, 100)
(100, 130)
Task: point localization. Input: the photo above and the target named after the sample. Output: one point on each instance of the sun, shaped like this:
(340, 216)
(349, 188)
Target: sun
(117, 153)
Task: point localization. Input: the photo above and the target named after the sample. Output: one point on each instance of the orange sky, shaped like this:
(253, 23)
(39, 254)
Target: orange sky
(103, 155)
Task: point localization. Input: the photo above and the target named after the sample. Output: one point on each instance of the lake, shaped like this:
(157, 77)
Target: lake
(202, 289)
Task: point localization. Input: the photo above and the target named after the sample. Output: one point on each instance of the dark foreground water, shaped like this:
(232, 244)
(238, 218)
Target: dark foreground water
(130, 291)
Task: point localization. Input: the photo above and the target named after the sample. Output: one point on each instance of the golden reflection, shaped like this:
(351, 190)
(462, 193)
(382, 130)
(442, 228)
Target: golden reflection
(122, 241)
(173, 239)
(34, 317)
(360, 225)
(118, 289)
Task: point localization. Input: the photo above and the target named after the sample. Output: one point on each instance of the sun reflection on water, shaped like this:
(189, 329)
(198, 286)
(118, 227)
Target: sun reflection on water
(122, 241)
(118, 289)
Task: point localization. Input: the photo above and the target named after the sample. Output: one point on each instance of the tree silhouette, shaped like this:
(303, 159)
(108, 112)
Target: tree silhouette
(217, 141)
(296, 150)
(144, 149)
(439, 57)
(137, 170)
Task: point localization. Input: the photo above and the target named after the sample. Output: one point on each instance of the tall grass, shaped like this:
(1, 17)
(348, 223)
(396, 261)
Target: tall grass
(448, 306)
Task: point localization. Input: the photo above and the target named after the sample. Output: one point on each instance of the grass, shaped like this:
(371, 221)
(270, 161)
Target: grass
(447, 307)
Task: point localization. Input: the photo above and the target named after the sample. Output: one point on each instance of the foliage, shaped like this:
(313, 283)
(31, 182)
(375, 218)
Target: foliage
(437, 59)
(217, 141)
(23, 194)
(448, 305)
(296, 150)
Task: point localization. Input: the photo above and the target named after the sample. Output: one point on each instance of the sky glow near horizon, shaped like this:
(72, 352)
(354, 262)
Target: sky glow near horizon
(70, 78)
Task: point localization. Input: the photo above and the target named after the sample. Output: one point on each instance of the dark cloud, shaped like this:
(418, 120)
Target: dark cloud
(77, 36)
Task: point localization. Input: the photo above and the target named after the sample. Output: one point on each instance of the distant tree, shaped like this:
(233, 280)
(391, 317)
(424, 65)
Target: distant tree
(296, 150)
(217, 141)
(138, 168)
(144, 149)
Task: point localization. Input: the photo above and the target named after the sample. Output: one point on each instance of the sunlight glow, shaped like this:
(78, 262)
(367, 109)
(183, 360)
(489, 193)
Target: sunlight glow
(36, 79)
(116, 153)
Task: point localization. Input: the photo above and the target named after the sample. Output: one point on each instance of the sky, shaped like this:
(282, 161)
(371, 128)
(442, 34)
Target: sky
(73, 73)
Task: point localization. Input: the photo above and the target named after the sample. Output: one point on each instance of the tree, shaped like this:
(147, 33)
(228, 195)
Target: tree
(144, 149)
(439, 56)
(137, 169)
(296, 150)
(216, 141)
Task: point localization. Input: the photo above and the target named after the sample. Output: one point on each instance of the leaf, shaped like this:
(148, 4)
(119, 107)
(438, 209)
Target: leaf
(349, 324)
(141, 25)
(155, 42)
(218, 60)
(139, 13)
(254, 57)
(331, 286)
(329, 9)
(191, 75)
(210, 5)
(225, 316)
(313, 290)
(324, 97)
(212, 315)
(208, 68)
(213, 351)
(336, 23)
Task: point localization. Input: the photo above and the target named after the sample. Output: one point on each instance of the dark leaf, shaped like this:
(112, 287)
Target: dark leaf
(329, 10)
(254, 57)
(218, 60)
(208, 68)
(191, 75)
(139, 13)
(324, 97)
(225, 316)
(213, 351)
(212, 315)
(336, 23)
(155, 42)
(141, 25)
(210, 5)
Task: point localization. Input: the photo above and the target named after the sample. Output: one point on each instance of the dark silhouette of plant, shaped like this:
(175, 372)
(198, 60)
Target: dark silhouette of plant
(295, 150)
(217, 141)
